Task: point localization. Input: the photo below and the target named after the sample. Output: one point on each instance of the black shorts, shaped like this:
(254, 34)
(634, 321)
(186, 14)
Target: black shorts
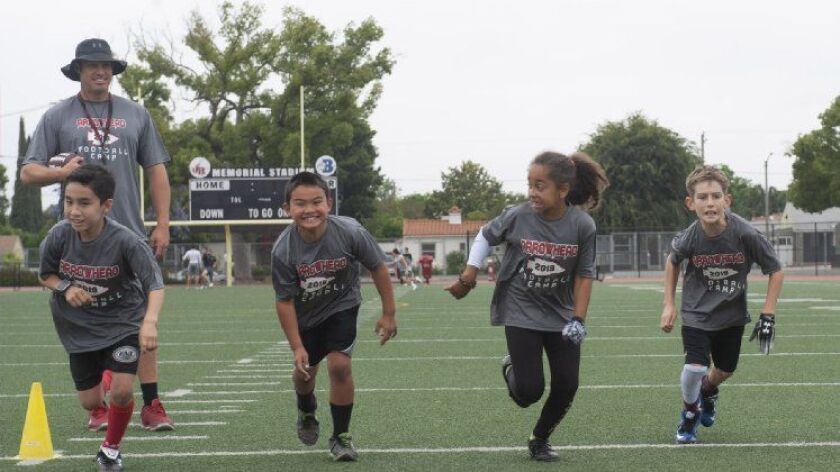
(724, 347)
(87, 367)
(336, 334)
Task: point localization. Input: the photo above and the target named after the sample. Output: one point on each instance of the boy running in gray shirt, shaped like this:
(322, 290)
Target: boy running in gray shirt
(543, 289)
(107, 295)
(719, 249)
(315, 271)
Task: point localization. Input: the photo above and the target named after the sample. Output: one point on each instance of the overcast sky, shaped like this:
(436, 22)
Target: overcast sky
(499, 81)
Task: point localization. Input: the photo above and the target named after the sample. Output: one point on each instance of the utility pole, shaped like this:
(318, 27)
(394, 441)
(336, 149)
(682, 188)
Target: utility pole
(766, 199)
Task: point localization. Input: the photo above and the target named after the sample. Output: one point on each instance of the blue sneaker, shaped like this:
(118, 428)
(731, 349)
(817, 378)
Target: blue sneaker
(707, 409)
(687, 429)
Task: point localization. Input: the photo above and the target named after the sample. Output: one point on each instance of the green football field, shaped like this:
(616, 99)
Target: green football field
(433, 398)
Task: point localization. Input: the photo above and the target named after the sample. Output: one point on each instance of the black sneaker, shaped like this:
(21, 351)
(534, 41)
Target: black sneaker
(708, 413)
(341, 448)
(307, 428)
(541, 450)
(507, 374)
(109, 459)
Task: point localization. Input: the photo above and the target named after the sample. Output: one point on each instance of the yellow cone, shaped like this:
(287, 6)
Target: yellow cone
(36, 443)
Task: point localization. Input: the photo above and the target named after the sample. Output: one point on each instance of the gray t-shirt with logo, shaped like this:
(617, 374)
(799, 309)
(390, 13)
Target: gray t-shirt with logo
(323, 276)
(132, 140)
(714, 295)
(536, 281)
(117, 269)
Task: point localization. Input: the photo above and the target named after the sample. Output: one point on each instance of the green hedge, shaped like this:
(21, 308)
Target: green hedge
(12, 276)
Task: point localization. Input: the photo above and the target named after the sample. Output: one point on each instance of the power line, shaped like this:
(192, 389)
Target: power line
(12, 113)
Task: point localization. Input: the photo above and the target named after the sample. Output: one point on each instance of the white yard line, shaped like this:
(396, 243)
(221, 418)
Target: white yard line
(453, 450)
(141, 438)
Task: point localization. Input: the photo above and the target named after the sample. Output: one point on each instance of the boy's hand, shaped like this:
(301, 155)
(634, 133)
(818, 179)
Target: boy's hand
(148, 336)
(386, 328)
(302, 363)
(669, 314)
(77, 297)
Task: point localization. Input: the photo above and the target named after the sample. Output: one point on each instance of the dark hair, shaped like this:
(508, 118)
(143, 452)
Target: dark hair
(309, 179)
(706, 174)
(95, 177)
(585, 177)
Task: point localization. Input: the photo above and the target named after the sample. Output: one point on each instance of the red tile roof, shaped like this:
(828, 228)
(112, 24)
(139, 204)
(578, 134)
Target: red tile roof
(428, 227)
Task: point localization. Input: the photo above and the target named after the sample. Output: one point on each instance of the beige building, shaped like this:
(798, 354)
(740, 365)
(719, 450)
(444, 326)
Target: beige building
(438, 237)
(11, 245)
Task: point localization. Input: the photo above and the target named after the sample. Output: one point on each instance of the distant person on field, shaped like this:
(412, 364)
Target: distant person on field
(544, 284)
(405, 268)
(209, 262)
(719, 249)
(427, 263)
(315, 271)
(194, 268)
(97, 127)
(107, 296)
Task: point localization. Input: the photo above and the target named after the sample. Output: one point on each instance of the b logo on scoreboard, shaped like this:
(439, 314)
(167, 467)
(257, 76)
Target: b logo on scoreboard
(325, 165)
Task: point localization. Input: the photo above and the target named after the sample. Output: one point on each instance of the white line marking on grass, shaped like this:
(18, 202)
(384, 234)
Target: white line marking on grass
(245, 361)
(494, 388)
(831, 308)
(65, 364)
(595, 356)
(232, 384)
(178, 392)
(238, 400)
(243, 376)
(241, 371)
(142, 438)
(197, 412)
(449, 450)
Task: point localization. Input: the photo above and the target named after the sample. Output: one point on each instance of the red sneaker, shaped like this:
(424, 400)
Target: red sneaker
(107, 376)
(153, 417)
(98, 419)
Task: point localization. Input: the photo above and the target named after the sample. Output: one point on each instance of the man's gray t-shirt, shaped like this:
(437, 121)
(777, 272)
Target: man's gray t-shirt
(117, 269)
(132, 140)
(323, 276)
(536, 281)
(714, 295)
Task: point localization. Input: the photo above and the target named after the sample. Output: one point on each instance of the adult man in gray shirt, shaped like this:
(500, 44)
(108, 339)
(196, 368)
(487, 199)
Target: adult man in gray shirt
(98, 127)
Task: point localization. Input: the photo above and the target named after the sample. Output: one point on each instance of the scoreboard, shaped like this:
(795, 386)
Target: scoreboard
(217, 199)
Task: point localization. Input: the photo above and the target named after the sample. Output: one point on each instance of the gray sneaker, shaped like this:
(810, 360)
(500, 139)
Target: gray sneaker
(341, 448)
(307, 428)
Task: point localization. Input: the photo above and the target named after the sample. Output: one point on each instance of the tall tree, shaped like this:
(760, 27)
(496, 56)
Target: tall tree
(816, 170)
(4, 201)
(748, 197)
(386, 221)
(26, 202)
(251, 121)
(647, 165)
(472, 189)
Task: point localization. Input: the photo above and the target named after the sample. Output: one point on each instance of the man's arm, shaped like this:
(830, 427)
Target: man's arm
(37, 174)
(386, 327)
(161, 200)
(669, 306)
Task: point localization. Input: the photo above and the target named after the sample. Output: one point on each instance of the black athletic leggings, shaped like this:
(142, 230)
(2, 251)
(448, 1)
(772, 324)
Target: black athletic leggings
(525, 347)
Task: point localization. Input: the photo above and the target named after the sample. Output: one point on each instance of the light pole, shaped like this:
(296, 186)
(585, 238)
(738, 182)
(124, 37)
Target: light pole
(766, 199)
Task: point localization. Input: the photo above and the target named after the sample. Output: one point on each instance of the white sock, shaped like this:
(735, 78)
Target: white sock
(691, 380)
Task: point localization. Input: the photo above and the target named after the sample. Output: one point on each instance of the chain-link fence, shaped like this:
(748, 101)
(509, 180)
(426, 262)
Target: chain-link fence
(811, 248)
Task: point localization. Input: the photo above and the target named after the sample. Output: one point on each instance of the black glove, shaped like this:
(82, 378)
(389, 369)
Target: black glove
(574, 331)
(765, 330)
